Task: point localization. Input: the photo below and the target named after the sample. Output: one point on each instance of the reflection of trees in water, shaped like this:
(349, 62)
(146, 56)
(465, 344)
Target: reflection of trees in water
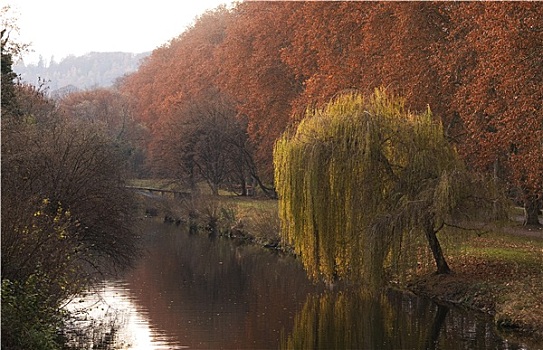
(391, 321)
(210, 292)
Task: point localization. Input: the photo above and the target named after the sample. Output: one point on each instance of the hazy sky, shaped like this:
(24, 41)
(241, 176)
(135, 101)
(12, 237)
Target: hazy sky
(62, 27)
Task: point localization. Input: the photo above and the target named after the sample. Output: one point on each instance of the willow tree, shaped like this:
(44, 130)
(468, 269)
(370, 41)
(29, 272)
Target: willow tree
(361, 178)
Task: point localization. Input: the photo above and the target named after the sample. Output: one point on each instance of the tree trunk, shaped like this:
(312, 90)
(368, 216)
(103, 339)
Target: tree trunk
(269, 192)
(214, 189)
(499, 211)
(433, 242)
(194, 190)
(243, 185)
(439, 321)
(532, 206)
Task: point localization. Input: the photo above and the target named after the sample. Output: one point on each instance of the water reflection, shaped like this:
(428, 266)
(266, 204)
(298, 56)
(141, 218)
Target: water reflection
(112, 319)
(217, 293)
(190, 291)
(393, 321)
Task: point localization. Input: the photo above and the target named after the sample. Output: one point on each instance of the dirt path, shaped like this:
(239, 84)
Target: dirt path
(533, 232)
(516, 228)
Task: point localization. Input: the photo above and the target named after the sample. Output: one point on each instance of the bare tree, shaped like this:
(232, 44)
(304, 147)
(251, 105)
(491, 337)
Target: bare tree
(206, 141)
(64, 205)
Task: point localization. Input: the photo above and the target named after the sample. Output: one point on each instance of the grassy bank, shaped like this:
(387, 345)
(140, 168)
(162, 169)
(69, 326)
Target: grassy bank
(246, 218)
(499, 272)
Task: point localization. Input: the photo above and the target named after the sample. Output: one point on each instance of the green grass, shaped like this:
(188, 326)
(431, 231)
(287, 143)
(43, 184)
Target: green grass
(502, 272)
(511, 255)
(506, 247)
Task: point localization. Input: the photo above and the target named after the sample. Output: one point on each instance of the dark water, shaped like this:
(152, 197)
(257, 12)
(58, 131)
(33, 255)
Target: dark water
(190, 291)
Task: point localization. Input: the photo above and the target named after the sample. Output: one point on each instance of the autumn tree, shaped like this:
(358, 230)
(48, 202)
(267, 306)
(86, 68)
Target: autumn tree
(361, 178)
(327, 55)
(361, 45)
(172, 78)
(253, 72)
(178, 71)
(205, 140)
(494, 62)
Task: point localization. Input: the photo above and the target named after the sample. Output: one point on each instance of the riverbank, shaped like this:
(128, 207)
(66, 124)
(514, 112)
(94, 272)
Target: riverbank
(499, 272)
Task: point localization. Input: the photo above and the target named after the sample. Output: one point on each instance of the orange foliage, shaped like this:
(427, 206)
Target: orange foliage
(174, 73)
(252, 71)
(495, 62)
(477, 65)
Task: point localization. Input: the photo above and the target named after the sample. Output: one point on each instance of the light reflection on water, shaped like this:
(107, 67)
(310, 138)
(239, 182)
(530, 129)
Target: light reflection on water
(110, 301)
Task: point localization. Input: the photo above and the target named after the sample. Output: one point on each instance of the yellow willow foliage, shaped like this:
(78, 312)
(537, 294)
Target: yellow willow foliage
(356, 180)
(334, 321)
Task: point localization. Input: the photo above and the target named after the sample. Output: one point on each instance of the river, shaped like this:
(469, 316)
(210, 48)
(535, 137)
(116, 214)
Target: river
(193, 292)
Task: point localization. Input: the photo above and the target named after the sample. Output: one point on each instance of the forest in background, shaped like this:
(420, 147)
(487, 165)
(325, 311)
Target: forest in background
(95, 69)
(210, 104)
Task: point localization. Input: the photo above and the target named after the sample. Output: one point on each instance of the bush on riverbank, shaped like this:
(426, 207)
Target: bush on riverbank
(249, 218)
(29, 321)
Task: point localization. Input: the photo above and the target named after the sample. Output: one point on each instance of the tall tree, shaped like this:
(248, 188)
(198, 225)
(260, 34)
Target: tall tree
(494, 61)
(179, 70)
(362, 45)
(10, 50)
(254, 74)
(359, 179)
(173, 77)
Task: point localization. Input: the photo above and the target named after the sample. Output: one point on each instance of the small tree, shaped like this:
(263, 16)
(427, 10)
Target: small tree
(205, 140)
(360, 179)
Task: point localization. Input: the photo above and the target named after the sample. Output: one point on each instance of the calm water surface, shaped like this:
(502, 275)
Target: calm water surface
(192, 292)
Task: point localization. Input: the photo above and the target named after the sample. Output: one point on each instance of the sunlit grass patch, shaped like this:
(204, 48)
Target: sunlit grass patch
(500, 246)
(257, 216)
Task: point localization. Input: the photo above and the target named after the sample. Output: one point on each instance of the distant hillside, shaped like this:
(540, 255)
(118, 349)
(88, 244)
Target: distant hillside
(95, 69)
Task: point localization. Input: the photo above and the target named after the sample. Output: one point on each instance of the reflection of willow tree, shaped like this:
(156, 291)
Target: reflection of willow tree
(393, 321)
(333, 321)
(329, 321)
(363, 182)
